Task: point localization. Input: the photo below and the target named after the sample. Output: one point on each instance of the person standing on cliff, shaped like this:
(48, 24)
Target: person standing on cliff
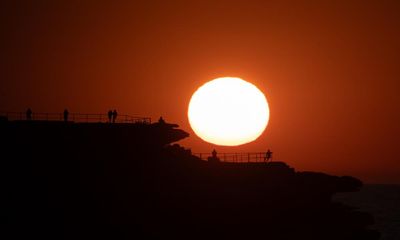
(114, 115)
(213, 158)
(268, 155)
(214, 154)
(66, 113)
(29, 114)
(161, 120)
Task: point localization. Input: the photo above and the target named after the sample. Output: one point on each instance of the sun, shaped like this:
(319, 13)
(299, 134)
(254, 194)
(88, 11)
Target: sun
(228, 111)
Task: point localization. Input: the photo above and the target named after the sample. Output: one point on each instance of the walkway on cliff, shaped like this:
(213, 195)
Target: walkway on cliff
(74, 117)
(256, 157)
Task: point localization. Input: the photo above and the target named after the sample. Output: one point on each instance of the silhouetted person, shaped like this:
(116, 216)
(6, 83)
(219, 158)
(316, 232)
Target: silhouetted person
(268, 155)
(110, 115)
(161, 120)
(213, 158)
(29, 114)
(66, 113)
(214, 154)
(114, 115)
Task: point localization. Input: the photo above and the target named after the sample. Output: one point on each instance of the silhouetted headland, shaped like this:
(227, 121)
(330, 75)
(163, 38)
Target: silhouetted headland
(66, 180)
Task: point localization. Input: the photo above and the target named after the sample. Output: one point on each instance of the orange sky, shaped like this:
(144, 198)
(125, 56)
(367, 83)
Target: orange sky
(330, 72)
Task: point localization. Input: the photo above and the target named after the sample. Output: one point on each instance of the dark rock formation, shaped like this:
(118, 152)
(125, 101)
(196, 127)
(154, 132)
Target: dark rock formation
(115, 181)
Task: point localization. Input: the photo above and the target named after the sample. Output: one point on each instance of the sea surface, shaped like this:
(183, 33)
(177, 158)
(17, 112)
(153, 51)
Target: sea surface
(383, 202)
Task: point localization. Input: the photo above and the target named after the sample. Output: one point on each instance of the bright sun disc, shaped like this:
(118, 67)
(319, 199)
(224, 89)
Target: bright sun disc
(228, 111)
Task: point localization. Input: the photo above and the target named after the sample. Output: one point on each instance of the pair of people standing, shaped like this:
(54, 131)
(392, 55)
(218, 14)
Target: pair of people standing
(112, 115)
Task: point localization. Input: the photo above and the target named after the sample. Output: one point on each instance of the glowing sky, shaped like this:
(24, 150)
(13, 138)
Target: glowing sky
(330, 70)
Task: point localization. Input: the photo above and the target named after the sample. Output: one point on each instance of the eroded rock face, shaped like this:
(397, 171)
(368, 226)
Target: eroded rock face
(98, 181)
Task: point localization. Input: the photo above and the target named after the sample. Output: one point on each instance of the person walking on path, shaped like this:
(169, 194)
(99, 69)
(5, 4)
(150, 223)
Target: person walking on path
(66, 113)
(214, 154)
(114, 115)
(29, 114)
(268, 155)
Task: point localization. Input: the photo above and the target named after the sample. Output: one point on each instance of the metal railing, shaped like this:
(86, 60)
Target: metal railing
(235, 157)
(74, 117)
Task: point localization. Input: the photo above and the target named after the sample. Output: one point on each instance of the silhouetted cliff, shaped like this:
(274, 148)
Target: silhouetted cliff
(123, 181)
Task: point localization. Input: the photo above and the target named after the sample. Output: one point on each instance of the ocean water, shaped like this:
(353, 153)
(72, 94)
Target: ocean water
(383, 202)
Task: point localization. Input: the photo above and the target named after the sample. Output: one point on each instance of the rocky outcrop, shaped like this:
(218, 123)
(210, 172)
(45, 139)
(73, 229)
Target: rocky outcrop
(102, 181)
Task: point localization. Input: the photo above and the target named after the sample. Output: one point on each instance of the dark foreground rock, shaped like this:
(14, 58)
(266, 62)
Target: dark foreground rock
(101, 181)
